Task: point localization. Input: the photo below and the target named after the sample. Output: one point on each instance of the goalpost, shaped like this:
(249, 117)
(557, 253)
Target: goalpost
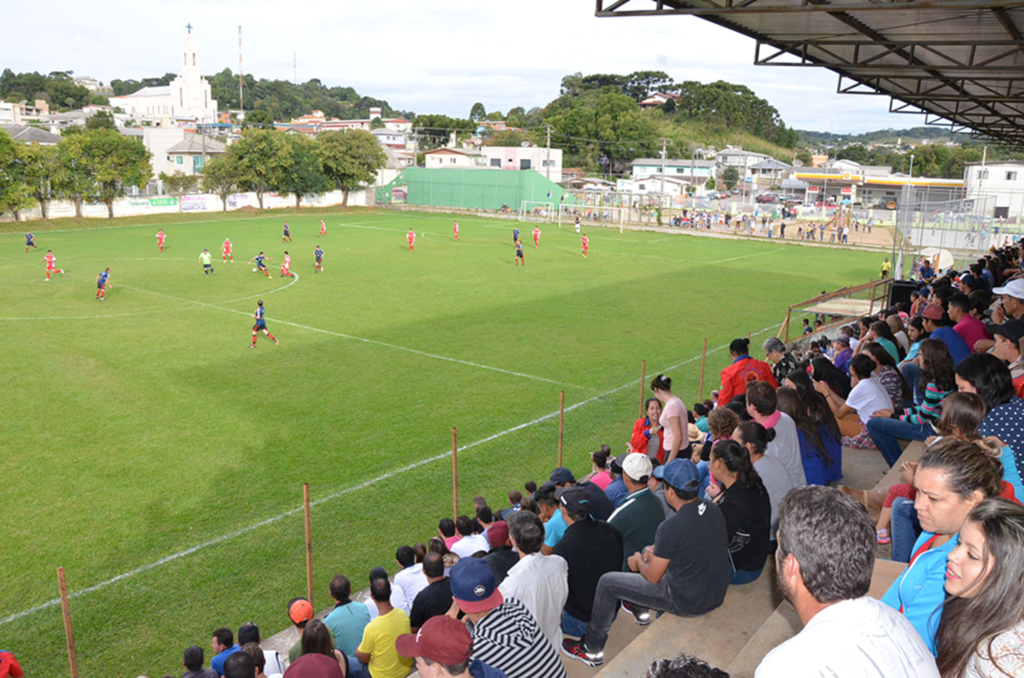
(531, 210)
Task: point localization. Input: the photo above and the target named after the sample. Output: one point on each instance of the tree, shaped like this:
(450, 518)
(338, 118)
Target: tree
(608, 124)
(40, 167)
(669, 106)
(477, 112)
(508, 137)
(258, 119)
(116, 162)
(350, 158)
(179, 183)
(15, 194)
(642, 84)
(74, 178)
(100, 120)
(376, 123)
(804, 156)
(260, 157)
(730, 176)
(220, 176)
(304, 175)
(710, 184)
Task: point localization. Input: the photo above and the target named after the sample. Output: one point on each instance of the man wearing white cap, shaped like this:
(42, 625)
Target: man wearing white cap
(1012, 308)
(640, 513)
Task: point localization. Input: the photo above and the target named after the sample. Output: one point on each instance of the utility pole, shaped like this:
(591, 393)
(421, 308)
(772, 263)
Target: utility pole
(548, 173)
(241, 101)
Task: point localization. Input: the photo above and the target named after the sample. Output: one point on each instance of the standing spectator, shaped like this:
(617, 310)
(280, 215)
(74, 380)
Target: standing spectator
(824, 565)
(410, 578)
(685, 573)
(469, 542)
(989, 377)
(223, 644)
(742, 372)
(755, 438)
(193, 664)
(505, 634)
(762, 407)
(640, 513)
(502, 557)
(647, 434)
(272, 662)
(673, 419)
(436, 598)
(444, 650)
(377, 649)
(590, 548)
(348, 619)
(782, 362)
(539, 582)
(743, 499)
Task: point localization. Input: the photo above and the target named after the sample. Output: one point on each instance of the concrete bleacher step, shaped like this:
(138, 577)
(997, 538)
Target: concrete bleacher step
(716, 637)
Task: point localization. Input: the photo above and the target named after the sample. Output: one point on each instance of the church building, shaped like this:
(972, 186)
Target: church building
(188, 97)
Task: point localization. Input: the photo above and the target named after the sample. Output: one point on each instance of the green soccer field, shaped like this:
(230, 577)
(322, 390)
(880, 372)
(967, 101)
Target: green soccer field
(159, 460)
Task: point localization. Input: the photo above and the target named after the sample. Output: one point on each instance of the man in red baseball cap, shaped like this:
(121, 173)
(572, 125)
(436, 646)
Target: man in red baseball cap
(443, 648)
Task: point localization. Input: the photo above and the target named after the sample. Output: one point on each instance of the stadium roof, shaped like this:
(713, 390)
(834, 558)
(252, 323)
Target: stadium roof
(959, 62)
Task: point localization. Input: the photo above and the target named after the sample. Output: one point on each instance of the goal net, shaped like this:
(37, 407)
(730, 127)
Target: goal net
(536, 211)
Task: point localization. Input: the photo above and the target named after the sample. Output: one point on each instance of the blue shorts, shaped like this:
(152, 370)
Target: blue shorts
(260, 325)
(101, 286)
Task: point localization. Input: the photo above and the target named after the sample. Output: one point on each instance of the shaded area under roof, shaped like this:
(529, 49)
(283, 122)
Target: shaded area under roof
(958, 62)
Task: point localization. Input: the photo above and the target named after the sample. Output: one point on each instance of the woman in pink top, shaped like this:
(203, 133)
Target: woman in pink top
(601, 477)
(673, 415)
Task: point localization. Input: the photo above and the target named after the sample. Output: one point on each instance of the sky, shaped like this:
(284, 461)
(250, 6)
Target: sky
(440, 56)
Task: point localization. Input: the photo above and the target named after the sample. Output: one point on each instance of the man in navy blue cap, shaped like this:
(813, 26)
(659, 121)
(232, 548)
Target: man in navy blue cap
(686, 572)
(601, 508)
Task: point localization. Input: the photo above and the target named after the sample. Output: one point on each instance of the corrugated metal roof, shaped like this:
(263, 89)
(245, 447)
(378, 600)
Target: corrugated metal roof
(959, 62)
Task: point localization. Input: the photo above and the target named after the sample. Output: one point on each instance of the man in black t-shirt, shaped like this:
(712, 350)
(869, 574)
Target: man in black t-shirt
(434, 600)
(686, 572)
(502, 557)
(591, 548)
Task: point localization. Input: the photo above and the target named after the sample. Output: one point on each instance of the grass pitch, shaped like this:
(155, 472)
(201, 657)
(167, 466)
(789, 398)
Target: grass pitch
(157, 458)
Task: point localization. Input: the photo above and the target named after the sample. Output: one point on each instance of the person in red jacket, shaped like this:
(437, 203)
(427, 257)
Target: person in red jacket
(743, 370)
(647, 432)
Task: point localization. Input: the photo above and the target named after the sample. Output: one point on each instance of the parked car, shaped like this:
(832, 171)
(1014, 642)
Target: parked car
(735, 190)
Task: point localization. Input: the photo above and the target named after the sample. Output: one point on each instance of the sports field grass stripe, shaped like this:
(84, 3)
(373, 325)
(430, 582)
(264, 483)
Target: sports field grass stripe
(340, 493)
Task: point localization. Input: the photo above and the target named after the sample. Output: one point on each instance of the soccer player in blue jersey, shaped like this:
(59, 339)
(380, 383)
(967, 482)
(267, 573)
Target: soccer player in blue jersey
(286, 236)
(319, 254)
(261, 324)
(101, 284)
(519, 253)
(515, 234)
(29, 241)
(260, 265)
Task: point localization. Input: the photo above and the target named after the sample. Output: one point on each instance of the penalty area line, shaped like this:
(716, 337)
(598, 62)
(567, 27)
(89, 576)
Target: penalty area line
(329, 497)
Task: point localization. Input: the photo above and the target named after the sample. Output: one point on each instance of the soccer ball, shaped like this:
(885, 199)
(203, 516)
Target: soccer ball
(254, 270)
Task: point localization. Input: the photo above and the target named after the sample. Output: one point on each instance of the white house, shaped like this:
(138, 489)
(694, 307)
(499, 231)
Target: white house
(688, 170)
(393, 124)
(998, 182)
(734, 156)
(653, 185)
(175, 150)
(524, 158)
(456, 158)
(188, 96)
(657, 99)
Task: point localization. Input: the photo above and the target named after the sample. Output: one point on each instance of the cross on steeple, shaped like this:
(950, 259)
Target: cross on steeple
(189, 27)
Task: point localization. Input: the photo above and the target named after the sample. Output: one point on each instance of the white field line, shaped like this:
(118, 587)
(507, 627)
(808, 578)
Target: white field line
(332, 496)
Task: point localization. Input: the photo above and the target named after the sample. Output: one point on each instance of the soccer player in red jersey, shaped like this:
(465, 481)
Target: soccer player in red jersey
(536, 237)
(455, 228)
(323, 229)
(286, 265)
(51, 265)
(585, 241)
(411, 237)
(225, 251)
(160, 237)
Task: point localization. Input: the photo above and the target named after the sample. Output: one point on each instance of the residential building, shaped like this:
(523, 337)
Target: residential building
(456, 158)
(28, 134)
(999, 184)
(546, 161)
(174, 149)
(698, 171)
(657, 99)
(395, 124)
(734, 156)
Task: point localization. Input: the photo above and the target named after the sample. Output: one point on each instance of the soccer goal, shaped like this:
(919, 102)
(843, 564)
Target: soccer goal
(536, 211)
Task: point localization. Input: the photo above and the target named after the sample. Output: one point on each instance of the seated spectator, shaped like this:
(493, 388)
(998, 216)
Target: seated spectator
(616, 490)
(880, 333)
(590, 548)
(314, 666)
(600, 475)
(743, 499)
(444, 650)
(485, 518)
(259, 659)
(762, 406)
(895, 323)
(887, 427)
(377, 648)
(223, 644)
(685, 573)
(514, 497)
(971, 329)
(193, 664)
(843, 353)
(684, 666)
(436, 598)
(554, 524)
(398, 598)
(348, 619)
(539, 582)
(916, 334)
(436, 545)
(866, 397)
(469, 542)
(1012, 307)
(672, 420)
(317, 639)
(982, 629)
(937, 324)
(888, 375)
(782, 361)
(838, 381)
(271, 663)
(755, 438)
(640, 513)
(410, 578)
(989, 377)
(239, 665)
(721, 423)
(824, 564)
(820, 449)
(1008, 340)
(647, 435)
(300, 611)
(742, 372)
(700, 415)
(952, 478)
(600, 506)
(502, 557)
(446, 528)
(505, 635)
